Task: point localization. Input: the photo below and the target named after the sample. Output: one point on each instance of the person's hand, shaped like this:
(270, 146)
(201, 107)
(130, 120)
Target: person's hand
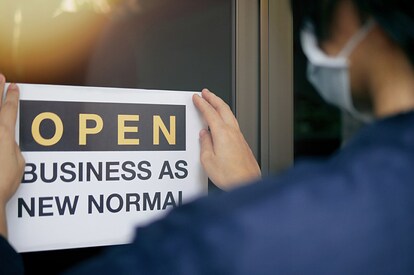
(11, 160)
(225, 154)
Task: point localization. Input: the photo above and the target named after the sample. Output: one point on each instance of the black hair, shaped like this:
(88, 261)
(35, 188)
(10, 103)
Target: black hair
(395, 17)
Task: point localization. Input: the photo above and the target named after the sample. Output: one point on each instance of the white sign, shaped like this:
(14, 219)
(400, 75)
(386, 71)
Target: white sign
(99, 162)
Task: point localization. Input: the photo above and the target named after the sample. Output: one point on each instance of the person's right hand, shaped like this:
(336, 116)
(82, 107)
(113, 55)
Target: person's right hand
(225, 154)
(11, 160)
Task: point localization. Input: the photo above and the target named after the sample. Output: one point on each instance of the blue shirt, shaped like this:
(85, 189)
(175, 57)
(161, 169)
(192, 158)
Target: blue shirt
(350, 214)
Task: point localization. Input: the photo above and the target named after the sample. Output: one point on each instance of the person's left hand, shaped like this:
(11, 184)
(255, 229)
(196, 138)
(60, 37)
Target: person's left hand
(11, 160)
(225, 154)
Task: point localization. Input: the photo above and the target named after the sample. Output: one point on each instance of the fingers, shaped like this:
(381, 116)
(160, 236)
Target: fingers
(215, 111)
(212, 117)
(2, 82)
(220, 106)
(207, 148)
(8, 111)
(20, 160)
(206, 142)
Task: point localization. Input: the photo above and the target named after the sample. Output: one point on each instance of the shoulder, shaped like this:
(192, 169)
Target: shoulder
(347, 214)
(11, 262)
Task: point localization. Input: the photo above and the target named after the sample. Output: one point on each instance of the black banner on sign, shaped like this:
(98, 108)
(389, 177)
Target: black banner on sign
(90, 126)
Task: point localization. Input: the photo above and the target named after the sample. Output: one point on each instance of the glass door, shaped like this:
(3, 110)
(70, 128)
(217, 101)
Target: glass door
(181, 45)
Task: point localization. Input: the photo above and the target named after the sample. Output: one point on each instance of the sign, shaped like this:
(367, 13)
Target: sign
(99, 162)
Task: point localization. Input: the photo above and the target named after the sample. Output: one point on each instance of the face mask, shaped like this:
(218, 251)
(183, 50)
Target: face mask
(330, 75)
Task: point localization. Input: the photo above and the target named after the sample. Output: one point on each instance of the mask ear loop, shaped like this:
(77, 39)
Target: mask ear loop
(312, 50)
(357, 38)
(347, 50)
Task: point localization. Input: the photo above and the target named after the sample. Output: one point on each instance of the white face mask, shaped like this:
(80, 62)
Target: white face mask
(330, 75)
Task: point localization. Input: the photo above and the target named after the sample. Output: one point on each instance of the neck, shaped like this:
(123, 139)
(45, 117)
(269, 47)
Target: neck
(395, 93)
(392, 83)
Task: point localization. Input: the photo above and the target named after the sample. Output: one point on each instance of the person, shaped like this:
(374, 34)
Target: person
(349, 214)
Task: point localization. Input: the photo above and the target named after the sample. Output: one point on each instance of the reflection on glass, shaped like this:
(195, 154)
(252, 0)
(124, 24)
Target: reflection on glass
(154, 44)
(158, 44)
(42, 41)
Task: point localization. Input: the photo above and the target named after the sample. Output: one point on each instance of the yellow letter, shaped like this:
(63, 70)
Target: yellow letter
(159, 125)
(36, 129)
(83, 131)
(122, 129)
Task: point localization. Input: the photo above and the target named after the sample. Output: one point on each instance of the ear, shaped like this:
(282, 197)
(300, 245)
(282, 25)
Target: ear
(345, 23)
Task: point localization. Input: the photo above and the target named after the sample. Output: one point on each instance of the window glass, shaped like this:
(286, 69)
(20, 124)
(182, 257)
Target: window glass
(317, 125)
(151, 44)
